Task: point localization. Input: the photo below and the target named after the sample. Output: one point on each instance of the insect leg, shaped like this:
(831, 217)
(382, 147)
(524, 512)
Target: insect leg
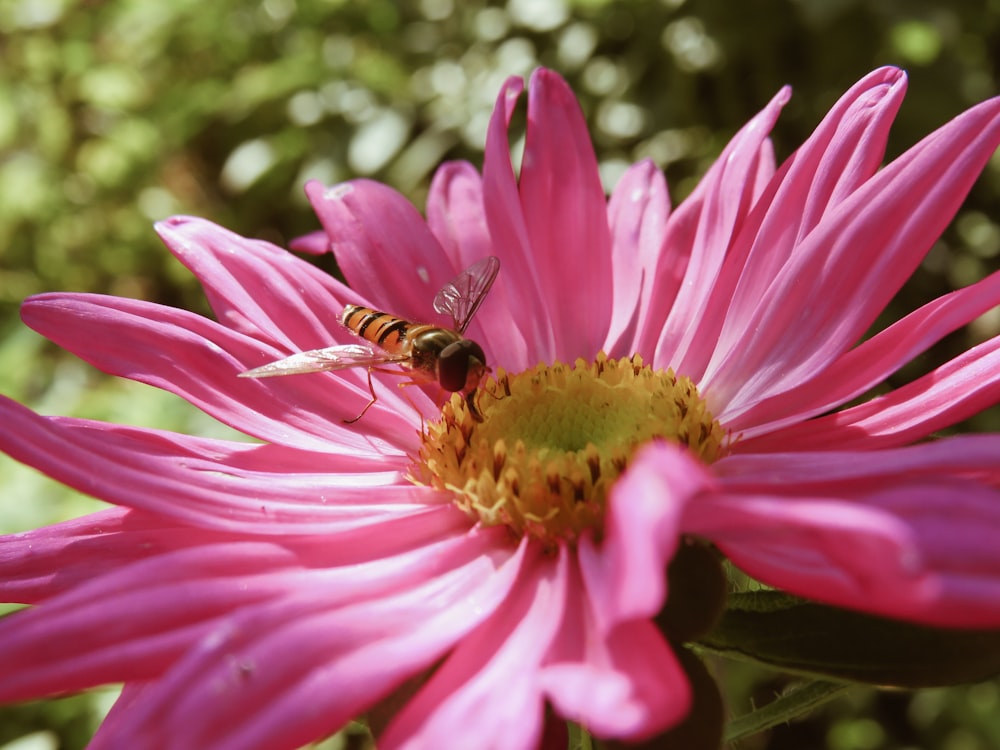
(371, 390)
(415, 378)
(418, 378)
(470, 400)
(409, 400)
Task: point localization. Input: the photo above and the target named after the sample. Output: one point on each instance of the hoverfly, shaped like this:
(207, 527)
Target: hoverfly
(427, 352)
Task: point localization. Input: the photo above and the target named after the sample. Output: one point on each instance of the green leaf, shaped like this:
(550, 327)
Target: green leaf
(798, 636)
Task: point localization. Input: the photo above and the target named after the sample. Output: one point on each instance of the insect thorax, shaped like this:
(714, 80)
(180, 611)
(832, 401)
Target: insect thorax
(427, 343)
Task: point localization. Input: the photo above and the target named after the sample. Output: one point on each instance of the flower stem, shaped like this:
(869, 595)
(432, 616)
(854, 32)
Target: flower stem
(797, 701)
(579, 738)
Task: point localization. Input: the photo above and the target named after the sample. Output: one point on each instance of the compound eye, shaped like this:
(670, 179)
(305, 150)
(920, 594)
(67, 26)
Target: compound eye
(456, 361)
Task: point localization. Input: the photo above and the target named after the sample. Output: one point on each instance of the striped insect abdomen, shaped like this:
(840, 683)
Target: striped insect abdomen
(382, 329)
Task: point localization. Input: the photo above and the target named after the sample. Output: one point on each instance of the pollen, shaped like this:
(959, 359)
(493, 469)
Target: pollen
(554, 439)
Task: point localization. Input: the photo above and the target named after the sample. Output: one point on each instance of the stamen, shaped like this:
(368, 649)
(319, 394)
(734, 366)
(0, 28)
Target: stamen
(554, 439)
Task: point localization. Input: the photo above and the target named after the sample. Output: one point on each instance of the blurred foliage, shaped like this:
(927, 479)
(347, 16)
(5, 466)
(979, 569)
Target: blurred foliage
(115, 114)
(118, 113)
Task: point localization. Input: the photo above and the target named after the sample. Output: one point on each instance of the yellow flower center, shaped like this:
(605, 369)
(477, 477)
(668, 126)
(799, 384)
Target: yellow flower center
(554, 439)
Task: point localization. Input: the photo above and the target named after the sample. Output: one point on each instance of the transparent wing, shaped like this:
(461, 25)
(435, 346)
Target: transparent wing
(321, 360)
(463, 295)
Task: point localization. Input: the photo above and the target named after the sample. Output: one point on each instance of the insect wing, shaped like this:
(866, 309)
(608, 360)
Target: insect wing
(321, 360)
(463, 295)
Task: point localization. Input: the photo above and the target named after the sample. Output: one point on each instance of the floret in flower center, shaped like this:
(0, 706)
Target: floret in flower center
(554, 439)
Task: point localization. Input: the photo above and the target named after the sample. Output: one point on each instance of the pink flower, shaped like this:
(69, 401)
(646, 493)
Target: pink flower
(263, 594)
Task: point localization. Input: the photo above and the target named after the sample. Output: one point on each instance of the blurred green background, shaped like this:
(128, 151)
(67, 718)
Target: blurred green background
(118, 113)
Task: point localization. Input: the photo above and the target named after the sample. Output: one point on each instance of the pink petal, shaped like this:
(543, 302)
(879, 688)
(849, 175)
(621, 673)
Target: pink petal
(132, 623)
(766, 168)
(704, 227)
(564, 211)
(958, 389)
(176, 598)
(843, 152)
(923, 552)
(624, 684)
(967, 456)
(870, 363)
(625, 573)
(844, 273)
(543, 642)
(383, 246)
(817, 175)
(284, 675)
(38, 564)
(487, 693)
(835, 551)
(456, 216)
(259, 289)
(106, 732)
(193, 481)
(314, 243)
(200, 361)
(637, 214)
(519, 279)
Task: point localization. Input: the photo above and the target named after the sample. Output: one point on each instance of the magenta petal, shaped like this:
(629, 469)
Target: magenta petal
(958, 389)
(625, 683)
(518, 279)
(924, 552)
(42, 563)
(38, 564)
(965, 456)
(200, 360)
(190, 480)
(956, 524)
(106, 733)
(834, 551)
(637, 213)
(843, 152)
(704, 227)
(847, 269)
(457, 217)
(314, 243)
(625, 575)
(488, 687)
(766, 168)
(285, 675)
(383, 246)
(132, 623)
(257, 288)
(565, 214)
(869, 363)
(544, 643)
(135, 622)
